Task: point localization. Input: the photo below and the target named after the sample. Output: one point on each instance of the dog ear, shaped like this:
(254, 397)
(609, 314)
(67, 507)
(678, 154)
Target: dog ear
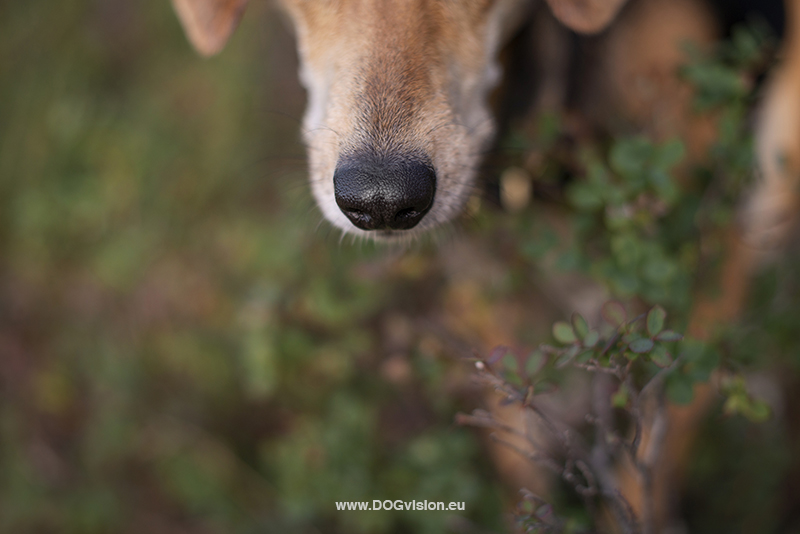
(586, 16)
(209, 23)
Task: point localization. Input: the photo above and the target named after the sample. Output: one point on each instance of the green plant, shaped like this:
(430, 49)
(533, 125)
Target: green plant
(652, 242)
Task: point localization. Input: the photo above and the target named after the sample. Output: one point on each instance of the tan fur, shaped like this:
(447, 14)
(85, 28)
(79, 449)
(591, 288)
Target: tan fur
(586, 16)
(402, 76)
(395, 76)
(640, 61)
(209, 23)
(772, 208)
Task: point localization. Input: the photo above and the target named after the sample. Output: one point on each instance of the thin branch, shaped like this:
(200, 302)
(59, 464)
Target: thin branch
(661, 375)
(531, 455)
(595, 367)
(486, 421)
(600, 457)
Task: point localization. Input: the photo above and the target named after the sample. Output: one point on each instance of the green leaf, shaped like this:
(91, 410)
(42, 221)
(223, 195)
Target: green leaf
(625, 284)
(660, 270)
(668, 335)
(564, 333)
(757, 411)
(567, 356)
(660, 356)
(630, 336)
(591, 339)
(655, 320)
(510, 362)
(641, 346)
(584, 197)
(627, 249)
(628, 157)
(670, 153)
(734, 403)
(614, 313)
(665, 188)
(620, 398)
(534, 363)
(580, 325)
(740, 402)
(597, 175)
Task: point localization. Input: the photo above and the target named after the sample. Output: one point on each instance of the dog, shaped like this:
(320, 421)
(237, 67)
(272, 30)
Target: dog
(398, 112)
(398, 116)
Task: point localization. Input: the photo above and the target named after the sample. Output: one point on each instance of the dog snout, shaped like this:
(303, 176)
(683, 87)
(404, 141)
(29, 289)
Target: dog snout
(384, 194)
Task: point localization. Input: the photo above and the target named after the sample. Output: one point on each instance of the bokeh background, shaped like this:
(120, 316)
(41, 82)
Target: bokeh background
(185, 347)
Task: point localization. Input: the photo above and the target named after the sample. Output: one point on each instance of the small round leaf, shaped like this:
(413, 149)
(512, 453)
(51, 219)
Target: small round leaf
(668, 335)
(564, 333)
(660, 356)
(620, 398)
(641, 346)
(580, 325)
(510, 362)
(567, 356)
(655, 320)
(614, 313)
(591, 339)
(535, 362)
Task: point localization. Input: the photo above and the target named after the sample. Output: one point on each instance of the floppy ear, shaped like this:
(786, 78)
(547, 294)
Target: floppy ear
(586, 16)
(209, 23)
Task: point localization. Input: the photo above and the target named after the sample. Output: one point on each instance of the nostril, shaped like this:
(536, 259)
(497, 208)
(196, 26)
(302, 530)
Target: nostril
(391, 193)
(406, 214)
(359, 218)
(406, 218)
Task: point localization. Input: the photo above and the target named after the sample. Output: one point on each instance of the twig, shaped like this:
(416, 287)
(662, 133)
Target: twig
(595, 367)
(486, 421)
(531, 455)
(600, 457)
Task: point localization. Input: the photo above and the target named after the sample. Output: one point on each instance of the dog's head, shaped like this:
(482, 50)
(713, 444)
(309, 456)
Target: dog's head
(397, 116)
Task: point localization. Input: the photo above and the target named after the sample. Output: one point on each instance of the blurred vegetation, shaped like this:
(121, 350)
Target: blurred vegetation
(181, 349)
(652, 238)
(185, 348)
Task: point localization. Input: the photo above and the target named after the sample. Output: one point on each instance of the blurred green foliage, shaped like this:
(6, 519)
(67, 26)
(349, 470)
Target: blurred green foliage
(651, 241)
(184, 349)
(181, 349)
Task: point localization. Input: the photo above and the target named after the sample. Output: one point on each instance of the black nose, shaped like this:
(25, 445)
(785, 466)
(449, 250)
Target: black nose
(384, 193)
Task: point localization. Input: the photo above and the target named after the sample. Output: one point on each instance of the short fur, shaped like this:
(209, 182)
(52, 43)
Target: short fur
(389, 77)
